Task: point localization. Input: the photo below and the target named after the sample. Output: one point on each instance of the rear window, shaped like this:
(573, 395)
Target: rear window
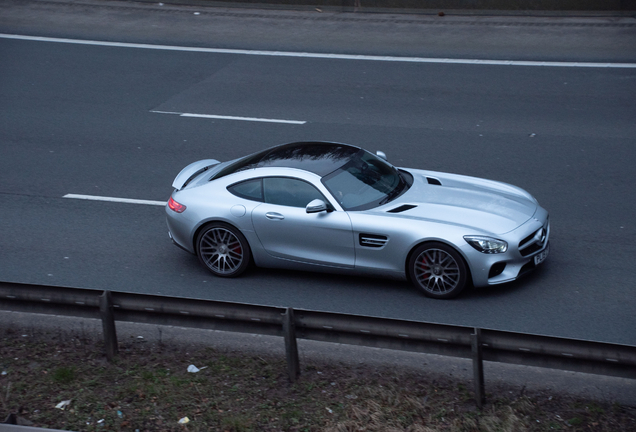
(250, 189)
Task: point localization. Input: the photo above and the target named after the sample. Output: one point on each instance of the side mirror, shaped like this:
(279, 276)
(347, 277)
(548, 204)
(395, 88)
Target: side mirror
(381, 155)
(316, 206)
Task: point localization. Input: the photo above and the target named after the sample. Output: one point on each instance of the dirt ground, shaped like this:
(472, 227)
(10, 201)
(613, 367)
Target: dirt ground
(55, 380)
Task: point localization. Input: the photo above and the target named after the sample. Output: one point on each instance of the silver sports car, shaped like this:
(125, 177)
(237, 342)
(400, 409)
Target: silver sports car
(334, 207)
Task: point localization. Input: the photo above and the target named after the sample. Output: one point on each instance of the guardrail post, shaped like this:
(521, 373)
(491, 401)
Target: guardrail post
(478, 368)
(108, 324)
(291, 347)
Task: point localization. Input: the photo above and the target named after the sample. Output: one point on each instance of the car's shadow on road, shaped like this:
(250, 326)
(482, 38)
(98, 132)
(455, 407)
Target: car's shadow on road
(526, 282)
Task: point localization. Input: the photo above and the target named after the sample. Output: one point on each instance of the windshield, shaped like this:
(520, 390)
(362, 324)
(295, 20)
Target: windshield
(365, 182)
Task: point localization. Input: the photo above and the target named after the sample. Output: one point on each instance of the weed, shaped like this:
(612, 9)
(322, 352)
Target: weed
(576, 421)
(236, 423)
(147, 375)
(463, 392)
(292, 417)
(594, 408)
(63, 375)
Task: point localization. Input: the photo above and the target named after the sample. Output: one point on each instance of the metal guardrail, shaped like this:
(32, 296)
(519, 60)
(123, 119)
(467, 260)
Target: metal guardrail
(291, 324)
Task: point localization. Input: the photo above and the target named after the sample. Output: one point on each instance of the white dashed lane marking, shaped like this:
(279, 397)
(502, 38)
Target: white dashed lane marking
(222, 117)
(112, 199)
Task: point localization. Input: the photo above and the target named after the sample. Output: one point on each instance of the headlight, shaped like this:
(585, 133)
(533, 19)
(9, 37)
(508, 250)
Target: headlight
(487, 245)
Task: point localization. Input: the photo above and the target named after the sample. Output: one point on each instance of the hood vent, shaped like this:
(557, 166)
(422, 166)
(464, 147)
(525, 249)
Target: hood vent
(401, 208)
(433, 181)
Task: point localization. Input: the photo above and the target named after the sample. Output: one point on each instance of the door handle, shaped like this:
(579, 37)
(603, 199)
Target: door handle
(274, 216)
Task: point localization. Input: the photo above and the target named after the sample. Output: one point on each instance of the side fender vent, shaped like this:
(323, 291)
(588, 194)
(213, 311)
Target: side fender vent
(433, 181)
(373, 240)
(401, 208)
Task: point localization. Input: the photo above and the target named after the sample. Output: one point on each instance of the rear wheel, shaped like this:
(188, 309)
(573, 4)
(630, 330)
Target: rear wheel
(438, 270)
(223, 250)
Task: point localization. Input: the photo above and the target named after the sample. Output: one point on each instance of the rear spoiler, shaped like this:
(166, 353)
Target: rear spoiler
(191, 171)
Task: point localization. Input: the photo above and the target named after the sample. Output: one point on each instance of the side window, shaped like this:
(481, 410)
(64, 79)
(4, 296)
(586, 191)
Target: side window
(249, 189)
(289, 192)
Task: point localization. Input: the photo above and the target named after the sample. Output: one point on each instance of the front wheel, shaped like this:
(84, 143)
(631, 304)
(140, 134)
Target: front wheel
(438, 270)
(223, 250)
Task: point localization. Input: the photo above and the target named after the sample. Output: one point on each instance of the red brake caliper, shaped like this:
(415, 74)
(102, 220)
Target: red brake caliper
(425, 265)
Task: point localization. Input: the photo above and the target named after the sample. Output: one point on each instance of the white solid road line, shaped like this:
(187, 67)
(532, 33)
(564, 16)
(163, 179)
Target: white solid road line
(111, 199)
(220, 117)
(326, 56)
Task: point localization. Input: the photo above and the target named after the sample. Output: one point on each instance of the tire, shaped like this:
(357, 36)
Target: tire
(223, 250)
(438, 270)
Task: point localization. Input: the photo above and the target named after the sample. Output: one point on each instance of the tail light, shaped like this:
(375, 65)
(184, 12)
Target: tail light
(175, 206)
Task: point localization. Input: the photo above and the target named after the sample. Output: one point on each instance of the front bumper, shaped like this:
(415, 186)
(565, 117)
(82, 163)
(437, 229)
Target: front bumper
(528, 246)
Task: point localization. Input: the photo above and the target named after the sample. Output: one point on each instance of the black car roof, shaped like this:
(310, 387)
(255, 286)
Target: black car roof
(321, 158)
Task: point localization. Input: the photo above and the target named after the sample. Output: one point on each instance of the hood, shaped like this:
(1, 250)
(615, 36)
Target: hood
(485, 205)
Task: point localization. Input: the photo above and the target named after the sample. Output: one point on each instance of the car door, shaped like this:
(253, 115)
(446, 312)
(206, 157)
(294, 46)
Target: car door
(287, 231)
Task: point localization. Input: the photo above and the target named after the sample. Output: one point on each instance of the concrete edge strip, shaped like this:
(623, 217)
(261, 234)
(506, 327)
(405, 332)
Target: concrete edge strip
(325, 56)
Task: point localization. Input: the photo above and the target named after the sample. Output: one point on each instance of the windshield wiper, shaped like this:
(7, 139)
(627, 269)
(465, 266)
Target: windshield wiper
(397, 191)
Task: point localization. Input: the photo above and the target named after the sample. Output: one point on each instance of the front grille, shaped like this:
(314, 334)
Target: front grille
(535, 247)
(534, 242)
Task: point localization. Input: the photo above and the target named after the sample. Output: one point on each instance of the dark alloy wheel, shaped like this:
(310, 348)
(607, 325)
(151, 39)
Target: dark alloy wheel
(223, 250)
(438, 270)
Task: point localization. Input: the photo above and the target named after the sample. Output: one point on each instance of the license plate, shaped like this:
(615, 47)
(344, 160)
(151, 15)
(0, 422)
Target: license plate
(539, 258)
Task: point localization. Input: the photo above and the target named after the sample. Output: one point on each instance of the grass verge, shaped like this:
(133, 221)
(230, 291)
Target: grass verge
(148, 388)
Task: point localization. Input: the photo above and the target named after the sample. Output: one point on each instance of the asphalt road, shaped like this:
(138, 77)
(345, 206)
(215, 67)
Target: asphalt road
(85, 119)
